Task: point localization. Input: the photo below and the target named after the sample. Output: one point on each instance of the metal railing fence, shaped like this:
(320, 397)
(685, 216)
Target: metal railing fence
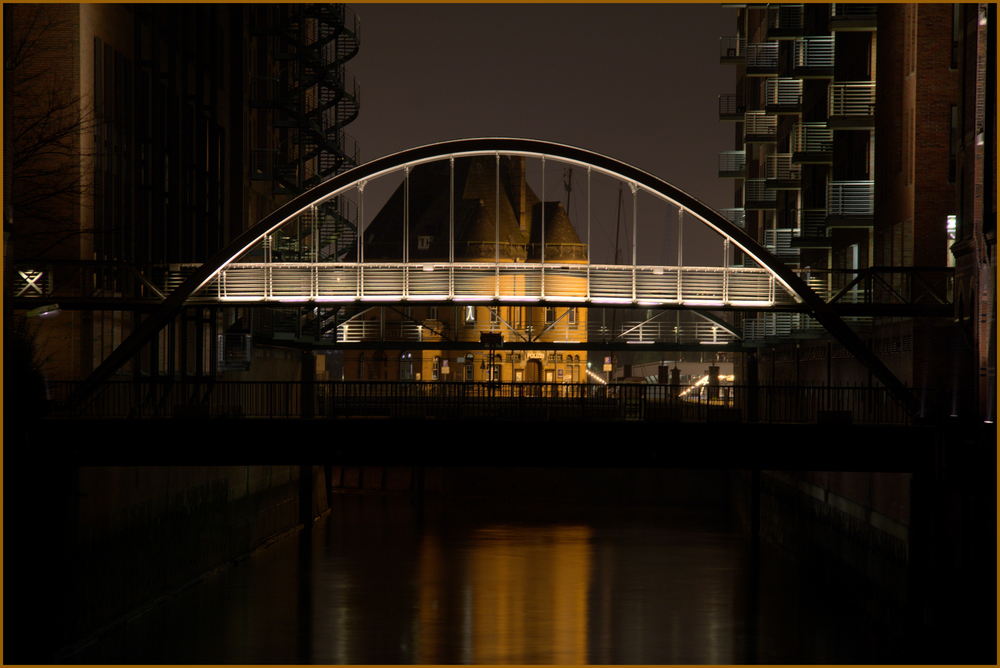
(478, 400)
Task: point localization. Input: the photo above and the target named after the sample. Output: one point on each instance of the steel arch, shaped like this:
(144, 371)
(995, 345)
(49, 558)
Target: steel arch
(819, 309)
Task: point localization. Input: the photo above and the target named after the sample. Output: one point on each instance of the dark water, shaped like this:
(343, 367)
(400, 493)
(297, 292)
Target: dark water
(387, 580)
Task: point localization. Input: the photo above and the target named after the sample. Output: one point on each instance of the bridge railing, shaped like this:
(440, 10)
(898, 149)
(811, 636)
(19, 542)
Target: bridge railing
(749, 287)
(481, 400)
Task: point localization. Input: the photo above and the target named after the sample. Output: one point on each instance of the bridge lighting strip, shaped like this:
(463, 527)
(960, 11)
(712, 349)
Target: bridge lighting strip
(744, 302)
(611, 300)
(702, 302)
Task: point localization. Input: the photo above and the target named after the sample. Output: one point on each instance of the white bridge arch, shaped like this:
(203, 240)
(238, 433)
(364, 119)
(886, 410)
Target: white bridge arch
(228, 278)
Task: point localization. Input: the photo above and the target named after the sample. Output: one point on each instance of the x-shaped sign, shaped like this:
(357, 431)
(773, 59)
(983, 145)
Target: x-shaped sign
(31, 278)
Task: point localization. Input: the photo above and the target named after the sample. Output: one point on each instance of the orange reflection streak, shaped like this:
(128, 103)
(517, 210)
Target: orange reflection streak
(529, 590)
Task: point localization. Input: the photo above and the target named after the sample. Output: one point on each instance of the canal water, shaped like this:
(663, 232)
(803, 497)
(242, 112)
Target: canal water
(392, 580)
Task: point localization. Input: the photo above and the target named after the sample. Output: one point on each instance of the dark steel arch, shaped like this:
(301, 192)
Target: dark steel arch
(819, 309)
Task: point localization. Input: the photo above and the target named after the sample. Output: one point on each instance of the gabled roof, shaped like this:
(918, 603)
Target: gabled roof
(476, 210)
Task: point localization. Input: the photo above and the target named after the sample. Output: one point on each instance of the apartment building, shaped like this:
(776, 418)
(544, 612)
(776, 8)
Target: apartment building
(174, 127)
(855, 133)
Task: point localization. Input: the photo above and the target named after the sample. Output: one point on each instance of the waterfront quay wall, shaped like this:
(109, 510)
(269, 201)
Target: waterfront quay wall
(120, 538)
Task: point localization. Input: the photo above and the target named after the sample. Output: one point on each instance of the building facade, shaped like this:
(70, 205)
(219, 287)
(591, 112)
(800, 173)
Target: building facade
(863, 134)
(171, 128)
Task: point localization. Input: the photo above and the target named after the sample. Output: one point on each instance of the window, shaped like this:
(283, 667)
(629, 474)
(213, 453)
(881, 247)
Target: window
(436, 368)
(433, 313)
(470, 316)
(406, 366)
(424, 242)
(572, 317)
(550, 315)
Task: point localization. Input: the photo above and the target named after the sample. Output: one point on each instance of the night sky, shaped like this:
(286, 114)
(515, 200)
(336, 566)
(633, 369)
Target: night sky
(636, 82)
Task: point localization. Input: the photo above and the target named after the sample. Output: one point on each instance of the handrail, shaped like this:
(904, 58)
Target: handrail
(186, 399)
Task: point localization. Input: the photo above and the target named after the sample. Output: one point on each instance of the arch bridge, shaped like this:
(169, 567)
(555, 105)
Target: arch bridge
(338, 274)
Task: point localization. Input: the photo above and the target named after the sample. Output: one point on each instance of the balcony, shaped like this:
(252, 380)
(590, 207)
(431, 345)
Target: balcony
(812, 143)
(737, 217)
(812, 57)
(783, 95)
(853, 17)
(850, 203)
(732, 164)
(781, 173)
(785, 22)
(779, 242)
(851, 105)
(811, 224)
(757, 197)
(762, 60)
(760, 128)
(732, 49)
(731, 107)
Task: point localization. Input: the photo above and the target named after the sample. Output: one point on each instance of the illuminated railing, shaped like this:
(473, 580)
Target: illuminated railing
(851, 99)
(811, 137)
(782, 94)
(762, 57)
(813, 54)
(760, 126)
(779, 167)
(850, 199)
(510, 282)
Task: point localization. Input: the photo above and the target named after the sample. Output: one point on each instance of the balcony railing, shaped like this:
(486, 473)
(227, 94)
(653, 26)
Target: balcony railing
(779, 242)
(851, 16)
(762, 59)
(811, 224)
(783, 95)
(785, 21)
(731, 107)
(811, 142)
(732, 49)
(813, 56)
(780, 172)
(758, 196)
(737, 217)
(850, 199)
(851, 105)
(759, 126)
(732, 164)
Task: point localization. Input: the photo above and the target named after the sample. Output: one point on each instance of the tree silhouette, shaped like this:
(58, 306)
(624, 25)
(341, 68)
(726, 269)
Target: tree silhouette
(49, 165)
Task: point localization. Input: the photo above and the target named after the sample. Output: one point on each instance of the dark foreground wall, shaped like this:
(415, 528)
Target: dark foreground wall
(104, 543)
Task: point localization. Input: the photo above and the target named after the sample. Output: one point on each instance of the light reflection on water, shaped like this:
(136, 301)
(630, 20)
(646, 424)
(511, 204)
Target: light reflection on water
(387, 580)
